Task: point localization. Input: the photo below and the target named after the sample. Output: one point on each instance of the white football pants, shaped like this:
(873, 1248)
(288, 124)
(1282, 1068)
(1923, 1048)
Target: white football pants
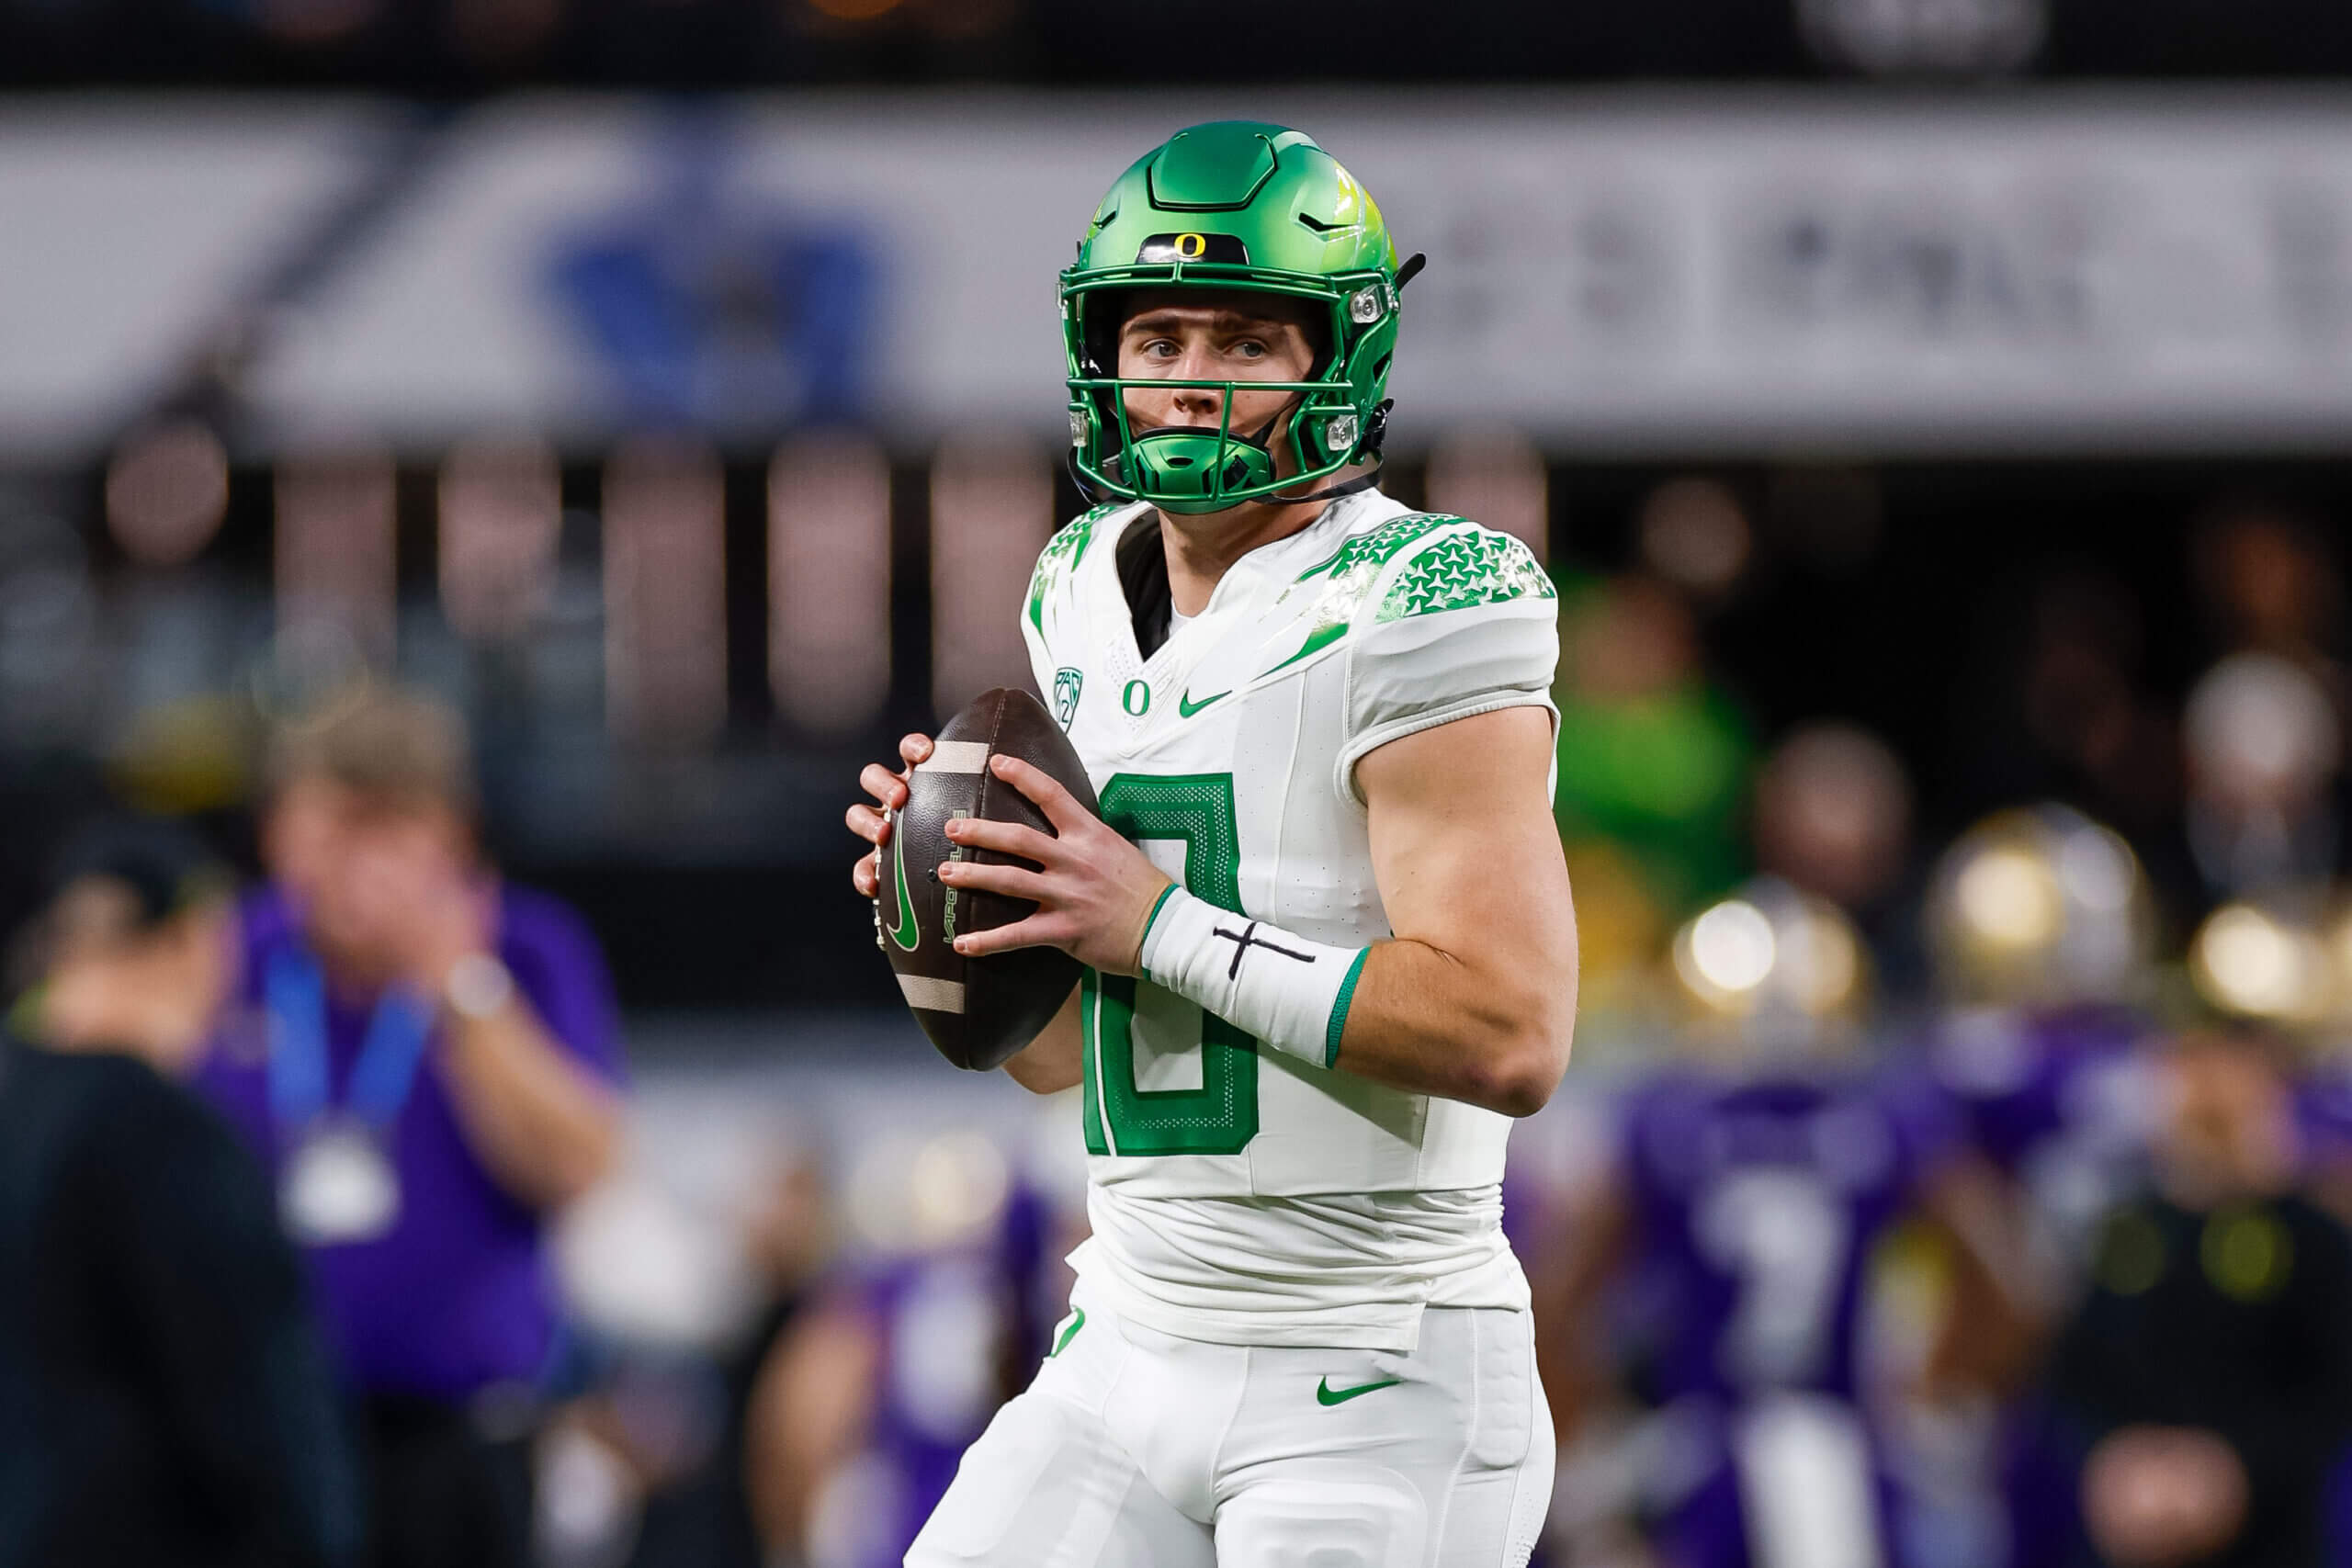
(1133, 1448)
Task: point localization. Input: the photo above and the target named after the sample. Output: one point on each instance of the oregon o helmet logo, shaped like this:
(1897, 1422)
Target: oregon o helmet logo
(1136, 699)
(1191, 247)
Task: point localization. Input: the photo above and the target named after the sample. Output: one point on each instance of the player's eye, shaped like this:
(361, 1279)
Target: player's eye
(1250, 348)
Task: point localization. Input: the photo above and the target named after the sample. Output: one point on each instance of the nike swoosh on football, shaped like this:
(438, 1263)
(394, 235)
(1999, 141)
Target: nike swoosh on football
(907, 934)
(1325, 1394)
(1186, 707)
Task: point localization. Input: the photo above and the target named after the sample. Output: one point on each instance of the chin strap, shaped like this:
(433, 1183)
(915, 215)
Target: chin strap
(1356, 486)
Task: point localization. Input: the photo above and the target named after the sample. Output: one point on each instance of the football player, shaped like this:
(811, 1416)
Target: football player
(1324, 915)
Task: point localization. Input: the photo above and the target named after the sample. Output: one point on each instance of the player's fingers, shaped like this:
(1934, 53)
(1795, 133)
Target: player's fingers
(1034, 931)
(1006, 838)
(914, 747)
(883, 785)
(866, 876)
(1049, 796)
(869, 824)
(1017, 882)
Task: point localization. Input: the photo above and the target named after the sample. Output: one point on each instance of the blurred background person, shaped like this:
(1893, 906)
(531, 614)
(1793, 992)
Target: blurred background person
(2269, 579)
(2265, 750)
(681, 1448)
(2205, 1379)
(132, 952)
(164, 1397)
(2054, 703)
(426, 1059)
(865, 1406)
(1831, 815)
(1725, 1264)
(1654, 763)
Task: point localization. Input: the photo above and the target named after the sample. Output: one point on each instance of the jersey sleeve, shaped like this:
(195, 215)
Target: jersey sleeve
(1466, 624)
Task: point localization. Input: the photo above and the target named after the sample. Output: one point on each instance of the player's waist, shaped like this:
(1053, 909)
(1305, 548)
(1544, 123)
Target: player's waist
(1343, 1270)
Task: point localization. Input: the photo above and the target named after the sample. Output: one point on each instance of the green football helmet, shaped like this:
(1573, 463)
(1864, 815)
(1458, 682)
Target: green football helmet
(1233, 205)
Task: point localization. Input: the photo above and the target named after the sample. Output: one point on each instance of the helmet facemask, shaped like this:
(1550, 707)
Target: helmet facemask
(1199, 469)
(1193, 469)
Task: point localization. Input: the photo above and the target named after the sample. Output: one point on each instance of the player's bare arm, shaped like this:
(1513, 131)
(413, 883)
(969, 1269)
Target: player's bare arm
(1474, 1000)
(1051, 1063)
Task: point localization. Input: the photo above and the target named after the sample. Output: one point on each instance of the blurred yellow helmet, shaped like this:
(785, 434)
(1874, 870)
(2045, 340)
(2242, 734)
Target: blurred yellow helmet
(2040, 908)
(2282, 962)
(1771, 964)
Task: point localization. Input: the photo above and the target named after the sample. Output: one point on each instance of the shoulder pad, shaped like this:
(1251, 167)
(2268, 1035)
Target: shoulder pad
(1059, 558)
(1463, 568)
(1450, 563)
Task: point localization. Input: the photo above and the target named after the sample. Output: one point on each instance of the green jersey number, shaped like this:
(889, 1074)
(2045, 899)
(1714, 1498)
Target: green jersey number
(1221, 1115)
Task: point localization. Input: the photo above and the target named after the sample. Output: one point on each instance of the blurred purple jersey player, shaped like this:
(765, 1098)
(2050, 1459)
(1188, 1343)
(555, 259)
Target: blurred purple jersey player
(908, 1357)
(1751, 1207)
(2042, 931)
(1751, 1188)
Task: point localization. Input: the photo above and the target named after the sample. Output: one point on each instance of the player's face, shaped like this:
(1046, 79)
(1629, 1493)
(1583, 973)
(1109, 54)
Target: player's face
(1192, 337)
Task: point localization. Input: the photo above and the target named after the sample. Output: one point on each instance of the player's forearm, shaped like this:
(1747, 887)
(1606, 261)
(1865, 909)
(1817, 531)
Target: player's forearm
(1050, 1062)
(1488, 1034)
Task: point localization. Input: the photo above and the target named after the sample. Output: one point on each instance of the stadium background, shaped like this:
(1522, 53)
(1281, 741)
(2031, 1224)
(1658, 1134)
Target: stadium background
(633, 373)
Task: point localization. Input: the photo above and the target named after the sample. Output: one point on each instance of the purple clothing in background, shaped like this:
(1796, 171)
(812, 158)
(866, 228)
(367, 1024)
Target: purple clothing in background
(943, 1324)
(1756, 1205)
(2065, 1103)
(459, 1294)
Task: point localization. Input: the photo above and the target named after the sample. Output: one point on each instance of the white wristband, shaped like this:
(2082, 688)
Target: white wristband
(1290, 993)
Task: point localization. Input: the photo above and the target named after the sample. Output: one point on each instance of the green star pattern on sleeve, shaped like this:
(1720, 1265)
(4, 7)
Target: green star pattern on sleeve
(1060, 557)
(1462, 570)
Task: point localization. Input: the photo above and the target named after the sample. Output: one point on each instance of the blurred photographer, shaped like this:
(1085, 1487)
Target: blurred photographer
(164, 1398)
(2206, 1377)
(427, 1061)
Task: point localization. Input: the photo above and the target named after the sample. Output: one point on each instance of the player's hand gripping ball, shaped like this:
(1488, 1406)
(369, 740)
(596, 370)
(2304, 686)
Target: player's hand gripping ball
(978, 1011)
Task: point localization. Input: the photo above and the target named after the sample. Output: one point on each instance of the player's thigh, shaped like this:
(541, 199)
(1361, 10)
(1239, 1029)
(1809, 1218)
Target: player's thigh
(1500, 1488)
(1325, 1514)
(1462, 1480)
(1045, 1488)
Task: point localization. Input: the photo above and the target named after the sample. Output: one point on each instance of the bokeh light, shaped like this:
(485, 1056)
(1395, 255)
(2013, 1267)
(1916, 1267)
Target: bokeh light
(167, 489)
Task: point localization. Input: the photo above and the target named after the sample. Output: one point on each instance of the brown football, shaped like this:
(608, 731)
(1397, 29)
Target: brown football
(978, 1011)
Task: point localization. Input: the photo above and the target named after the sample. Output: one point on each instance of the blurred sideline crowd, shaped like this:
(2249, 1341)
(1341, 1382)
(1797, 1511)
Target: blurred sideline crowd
(1920, 1198)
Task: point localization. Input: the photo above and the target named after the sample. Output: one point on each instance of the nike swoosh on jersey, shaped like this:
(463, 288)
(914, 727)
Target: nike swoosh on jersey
(1325, 1394)
(1186, 707)
(907, 934)
(1077, 1322)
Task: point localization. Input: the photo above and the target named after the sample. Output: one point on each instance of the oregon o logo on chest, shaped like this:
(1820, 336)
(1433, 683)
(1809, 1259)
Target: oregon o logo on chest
(1136, 699)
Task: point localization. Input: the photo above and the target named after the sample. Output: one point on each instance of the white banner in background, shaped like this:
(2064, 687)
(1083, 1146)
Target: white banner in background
(129, 229)
(2026, 271)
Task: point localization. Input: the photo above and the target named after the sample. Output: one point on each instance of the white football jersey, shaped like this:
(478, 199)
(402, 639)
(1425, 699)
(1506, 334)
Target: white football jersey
(1242, 1196)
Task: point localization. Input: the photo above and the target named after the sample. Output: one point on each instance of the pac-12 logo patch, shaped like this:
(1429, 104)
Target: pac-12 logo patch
(1068, 683)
